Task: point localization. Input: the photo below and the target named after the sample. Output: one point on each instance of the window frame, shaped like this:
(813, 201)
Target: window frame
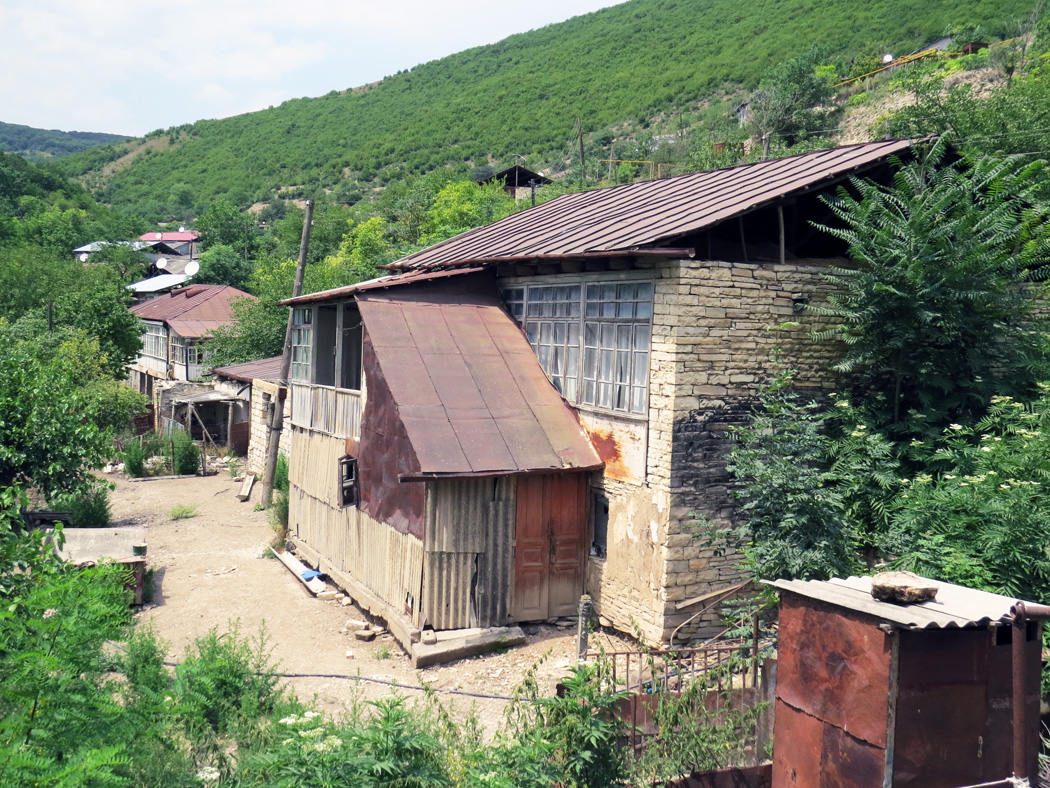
(349, 481)
(302, 367)
(576, 393)
(158, 332)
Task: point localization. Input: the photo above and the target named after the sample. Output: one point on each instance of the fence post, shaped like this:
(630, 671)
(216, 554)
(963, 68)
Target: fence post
(585, 611)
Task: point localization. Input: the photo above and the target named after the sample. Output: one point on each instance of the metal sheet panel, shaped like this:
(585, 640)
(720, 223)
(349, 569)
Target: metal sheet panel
(468, 404)
(626, 217)
(469, 526)
(797, 766)
(848, 762)
(955, 606)
(835, 667)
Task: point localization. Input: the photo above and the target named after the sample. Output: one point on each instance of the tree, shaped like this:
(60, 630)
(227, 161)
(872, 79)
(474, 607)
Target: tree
(463, 206)
(786, 99)
(223, 265)
(936, 311)
(224, 224)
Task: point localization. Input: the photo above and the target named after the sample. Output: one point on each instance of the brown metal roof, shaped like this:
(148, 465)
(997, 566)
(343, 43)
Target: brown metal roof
(468, 388)
(193, 311)
(263, 369)
(623, 218)
(955, 606)
(403, 278)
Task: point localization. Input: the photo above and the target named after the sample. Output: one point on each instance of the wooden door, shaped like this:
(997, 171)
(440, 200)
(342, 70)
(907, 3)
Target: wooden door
(550, 535)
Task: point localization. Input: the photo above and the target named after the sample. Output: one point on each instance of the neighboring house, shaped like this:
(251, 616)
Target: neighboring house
(257, 385)
(182, 242)
(156, 286)
(176, 326)
(540, 408)
(518, 181)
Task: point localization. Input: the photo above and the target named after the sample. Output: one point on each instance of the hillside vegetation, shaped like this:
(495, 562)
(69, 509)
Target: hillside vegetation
(520, 96)
(40, 144)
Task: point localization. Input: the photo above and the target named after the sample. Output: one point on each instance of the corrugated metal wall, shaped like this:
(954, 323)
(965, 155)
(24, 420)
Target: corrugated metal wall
(468, 534)
(388, 563)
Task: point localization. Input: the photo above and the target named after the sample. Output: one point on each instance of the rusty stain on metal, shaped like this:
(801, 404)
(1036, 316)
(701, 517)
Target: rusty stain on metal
(926, 695)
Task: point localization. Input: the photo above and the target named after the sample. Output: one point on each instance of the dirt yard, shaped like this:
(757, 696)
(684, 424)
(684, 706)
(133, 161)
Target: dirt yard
(213, 571)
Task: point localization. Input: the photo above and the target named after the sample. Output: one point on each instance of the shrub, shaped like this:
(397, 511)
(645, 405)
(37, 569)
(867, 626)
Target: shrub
(183, 511)
(136, 452)
(185, 456)
(87, 507)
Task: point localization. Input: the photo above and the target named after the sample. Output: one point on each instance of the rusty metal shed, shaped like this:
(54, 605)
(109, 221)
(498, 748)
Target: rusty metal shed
(873, 694)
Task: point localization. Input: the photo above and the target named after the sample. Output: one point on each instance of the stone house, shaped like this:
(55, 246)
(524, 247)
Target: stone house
(256, 385)
(539, 408)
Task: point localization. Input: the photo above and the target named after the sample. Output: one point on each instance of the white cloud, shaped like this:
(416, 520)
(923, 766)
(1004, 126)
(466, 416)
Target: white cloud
(130, 66)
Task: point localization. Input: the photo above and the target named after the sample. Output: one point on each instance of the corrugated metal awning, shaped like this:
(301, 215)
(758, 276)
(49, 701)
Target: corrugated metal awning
(955, 606)
(468, 388)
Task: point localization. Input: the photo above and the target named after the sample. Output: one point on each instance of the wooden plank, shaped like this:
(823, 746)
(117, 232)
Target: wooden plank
(315, 584)
(246, 487)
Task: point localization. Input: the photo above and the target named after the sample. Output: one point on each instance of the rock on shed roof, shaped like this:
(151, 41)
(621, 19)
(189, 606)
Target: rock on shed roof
(955, 606)
(624, 218)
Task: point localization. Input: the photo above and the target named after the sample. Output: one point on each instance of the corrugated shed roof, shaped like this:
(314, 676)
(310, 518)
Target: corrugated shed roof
(263, 369)
(403, 278)
(197, 302)
(467, 386)
(640, 214)
(955, 606)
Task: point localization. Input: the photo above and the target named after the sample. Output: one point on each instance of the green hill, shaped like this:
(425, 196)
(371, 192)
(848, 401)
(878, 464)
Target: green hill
(520, 96)
(40, 144)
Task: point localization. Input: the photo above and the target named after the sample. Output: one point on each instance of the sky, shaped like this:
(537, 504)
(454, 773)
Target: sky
(132, 66)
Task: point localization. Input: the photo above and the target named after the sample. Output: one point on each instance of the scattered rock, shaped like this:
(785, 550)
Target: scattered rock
(326, 596)
(565, 623)
(604, 622)
(354, 624)
(428, 636)
(364, 634)
(902, 588)
(346, 601)
(349, 654)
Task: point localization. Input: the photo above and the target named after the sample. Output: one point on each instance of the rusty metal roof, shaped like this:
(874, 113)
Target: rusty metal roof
(955, 606)
(624, 218)
(263, 369)
(468, 388)
(403, 278)
(193, 311)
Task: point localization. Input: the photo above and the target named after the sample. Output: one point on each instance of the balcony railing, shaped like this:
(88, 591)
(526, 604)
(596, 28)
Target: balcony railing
(326, 409)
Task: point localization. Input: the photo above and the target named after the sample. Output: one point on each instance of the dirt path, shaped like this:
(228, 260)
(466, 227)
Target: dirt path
(212, 570)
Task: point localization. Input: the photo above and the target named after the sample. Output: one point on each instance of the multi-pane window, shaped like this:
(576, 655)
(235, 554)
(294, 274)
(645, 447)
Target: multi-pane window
(591, 338)
(155, 342)
(183, 351)
(302, 342)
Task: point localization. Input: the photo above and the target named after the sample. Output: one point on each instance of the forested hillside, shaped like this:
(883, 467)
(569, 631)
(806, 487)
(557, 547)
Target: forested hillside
(521, 96)
(40, 144)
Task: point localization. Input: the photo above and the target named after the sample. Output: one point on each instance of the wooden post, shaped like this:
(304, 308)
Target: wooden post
(780, 219)
(277, 416)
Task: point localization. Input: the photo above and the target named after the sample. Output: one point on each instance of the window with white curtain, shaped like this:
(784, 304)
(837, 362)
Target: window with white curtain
(591, 338)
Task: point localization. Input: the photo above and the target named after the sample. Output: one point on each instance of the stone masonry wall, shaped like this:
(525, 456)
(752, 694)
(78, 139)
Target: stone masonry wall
(725, 318)
(263, 393)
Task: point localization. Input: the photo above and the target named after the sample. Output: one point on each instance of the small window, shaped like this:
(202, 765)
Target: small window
(600, 510)
(348, 491)
(302, 344)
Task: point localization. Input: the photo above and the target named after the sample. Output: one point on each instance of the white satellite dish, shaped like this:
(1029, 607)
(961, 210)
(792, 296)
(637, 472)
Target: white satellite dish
(192, 267)
(82, 257)
(182, 228)
(162, 263)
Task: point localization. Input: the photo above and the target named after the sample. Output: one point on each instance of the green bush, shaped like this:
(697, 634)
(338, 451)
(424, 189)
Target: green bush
(135, 454)
(87, 507)
(280, 476)
(184, 454)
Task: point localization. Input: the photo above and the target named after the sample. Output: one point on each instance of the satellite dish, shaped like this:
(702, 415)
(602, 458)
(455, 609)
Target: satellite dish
(160, 236)
(192, 267)
(162, 263)
(83, 257)
(182, 228)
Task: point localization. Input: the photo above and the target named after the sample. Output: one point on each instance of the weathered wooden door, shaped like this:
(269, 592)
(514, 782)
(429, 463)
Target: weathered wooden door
(549, 540)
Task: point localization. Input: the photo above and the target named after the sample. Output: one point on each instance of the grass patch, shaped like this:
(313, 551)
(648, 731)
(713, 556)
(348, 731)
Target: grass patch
(183, 511)
(383, 652)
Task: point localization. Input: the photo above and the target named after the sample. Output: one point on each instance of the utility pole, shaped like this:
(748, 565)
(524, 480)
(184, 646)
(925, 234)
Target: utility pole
(277, 415)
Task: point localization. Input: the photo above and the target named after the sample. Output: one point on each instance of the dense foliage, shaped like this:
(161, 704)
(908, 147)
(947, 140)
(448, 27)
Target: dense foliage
(520, 96)
(39, 144)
